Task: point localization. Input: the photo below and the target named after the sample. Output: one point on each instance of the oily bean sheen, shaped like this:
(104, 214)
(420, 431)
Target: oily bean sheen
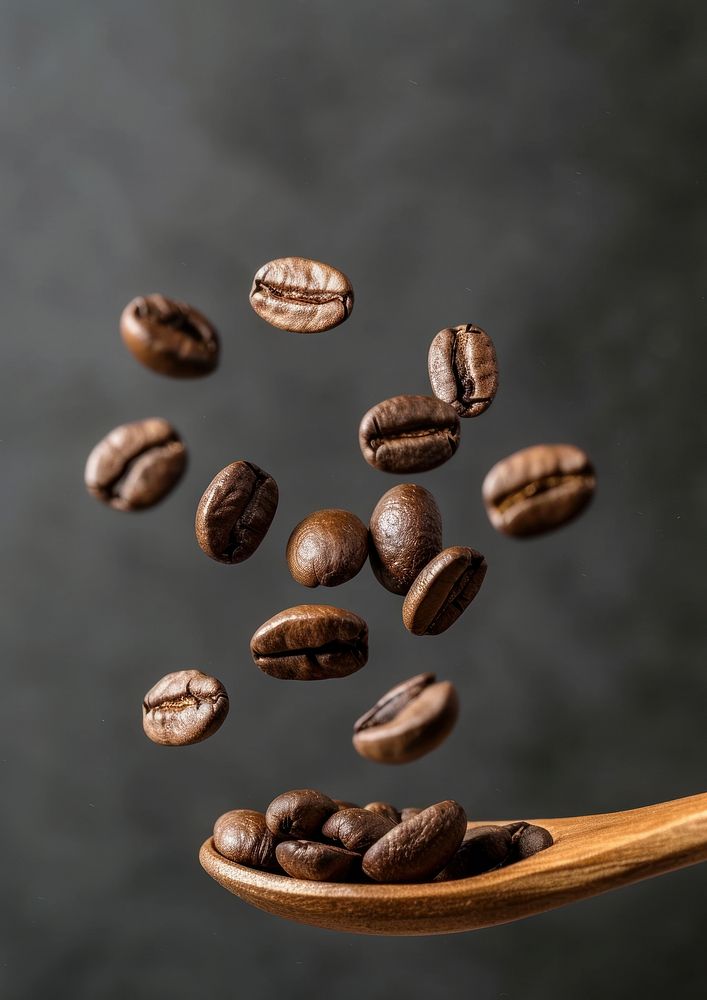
(169, 337)
(483, 848)
(242, 836)
(136, 465)
(307, 859)
(405, 534)
(463, 369)
(419, 848)
(299, 813)
(301, 295)
(327, 548)
(357, 829)
(530, 840)
(408, 722)
(311, 642)
(235, 512)
(443, 590)
(538, 489)
(409, 434)
(184, 707)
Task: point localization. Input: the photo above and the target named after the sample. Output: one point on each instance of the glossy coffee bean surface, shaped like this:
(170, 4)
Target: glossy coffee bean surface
(311, 642)
(299, 813)
(235, 512)
(405, 534)
(327, 548)
(241, 835)
(463, 369)
(305, 296)
(169, 337)
(136, 465)
(408, 434)
(443, 590)
(418, 849)
(184, 707)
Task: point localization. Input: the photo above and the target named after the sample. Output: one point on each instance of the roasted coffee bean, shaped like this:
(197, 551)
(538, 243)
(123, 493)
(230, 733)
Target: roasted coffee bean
(300, 813)
(184, 707)
(242, 836)
(136, 465)
(307, 859)
(311, 642)
(483, 848)
(327, 548)
(515, 829)
(357, 829)
(408, 722)
(405, 534)
(409, 434)
(463, 369)
(538, 489)
(530, 840)
(408, 813)
(235, 512)
(443, 590)
(301, 295)
(384, 809)
(419, 848)
(170, 337)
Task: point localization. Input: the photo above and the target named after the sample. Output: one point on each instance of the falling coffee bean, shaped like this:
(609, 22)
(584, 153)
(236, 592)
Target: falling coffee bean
(443, 590)
(530, 840)
(327, 548)
(307, 859)
(483, 848)
(357, 829)
(300, 813)
(405, 534)
(538, 489)
(136, 465)
(419, 848)
(311, 642)
(242, 836)
(463, 369)
(408, 722)
(184, 707)
(409, 434)
(169, 337)
(301, 295)
(235, 512)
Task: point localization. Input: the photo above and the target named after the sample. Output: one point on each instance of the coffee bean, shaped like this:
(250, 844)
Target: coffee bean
(409, 434)
(301, 295)
(420, 847)
(242, 836)
(169, 337)
(483, 848)
(463, 369)
(136, 465)
(311, 642)
(530, 840)
(408, 813)
(235, 512)
(384, 809)
(408, 722)
(300, 813)
(343, 804)
(357, 829)
(443, 590)
(307, 859)
(538, 489)
(327, 548)
(405, 534)
(184, 707)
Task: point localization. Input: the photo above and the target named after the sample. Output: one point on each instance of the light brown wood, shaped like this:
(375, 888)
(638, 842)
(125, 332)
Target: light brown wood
(591, 854)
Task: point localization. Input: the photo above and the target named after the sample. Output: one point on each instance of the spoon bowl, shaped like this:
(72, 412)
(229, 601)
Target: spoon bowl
(591, 854)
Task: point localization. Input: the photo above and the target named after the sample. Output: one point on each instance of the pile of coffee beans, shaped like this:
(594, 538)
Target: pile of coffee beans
(535, 490)
(307, 835)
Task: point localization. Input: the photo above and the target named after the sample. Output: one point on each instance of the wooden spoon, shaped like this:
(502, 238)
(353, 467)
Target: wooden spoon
(591, 854)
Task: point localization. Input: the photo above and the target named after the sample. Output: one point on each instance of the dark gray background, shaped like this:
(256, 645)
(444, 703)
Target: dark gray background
(533, 167)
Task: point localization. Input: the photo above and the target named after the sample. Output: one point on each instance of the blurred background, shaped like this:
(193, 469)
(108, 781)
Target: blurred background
(536, 168)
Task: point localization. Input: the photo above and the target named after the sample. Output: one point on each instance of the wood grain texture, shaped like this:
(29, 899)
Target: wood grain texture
(591, 854)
